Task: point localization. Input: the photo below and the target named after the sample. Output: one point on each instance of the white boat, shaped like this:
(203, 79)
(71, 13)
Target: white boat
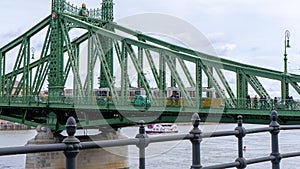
(161, 128)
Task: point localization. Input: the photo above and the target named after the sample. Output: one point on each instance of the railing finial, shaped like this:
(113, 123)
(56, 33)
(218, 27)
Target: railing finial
(72, 144)
(195, 120)
(274, 118)
(240, 120)
(71, 126)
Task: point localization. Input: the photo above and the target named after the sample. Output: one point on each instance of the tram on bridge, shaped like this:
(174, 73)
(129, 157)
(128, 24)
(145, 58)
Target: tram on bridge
(210, 98)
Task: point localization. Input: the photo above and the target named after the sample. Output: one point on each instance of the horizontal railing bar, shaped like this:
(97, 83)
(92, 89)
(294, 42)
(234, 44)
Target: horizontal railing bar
(110, 143)
(221, 166)
(288, 155)
(133, 141)
(170, 138)
(32, 149)
(259, 160)
(291, 127)
(259, 130)
(219, 134)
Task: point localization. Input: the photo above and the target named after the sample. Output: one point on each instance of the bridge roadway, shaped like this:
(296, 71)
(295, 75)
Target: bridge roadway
(90, 115)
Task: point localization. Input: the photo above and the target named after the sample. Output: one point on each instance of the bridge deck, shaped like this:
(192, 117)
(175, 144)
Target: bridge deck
(87, 115)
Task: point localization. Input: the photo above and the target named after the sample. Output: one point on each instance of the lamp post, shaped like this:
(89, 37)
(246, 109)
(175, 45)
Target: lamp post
(284, 84)
(286, 45)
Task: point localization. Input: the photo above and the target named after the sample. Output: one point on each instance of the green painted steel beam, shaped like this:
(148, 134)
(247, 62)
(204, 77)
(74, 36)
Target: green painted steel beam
(107, 10)
(41, 64)
(34, 30)
(98, 50)
(141, 64)
(124, 73)
(223, 63)
(296, 87)
(2, 79)
(152, 66)
(225, 83)
(188, 54)
(207, 63)
(257, 86)
(178, 80)
(162, 79)
(199, 84)
(187, 72)
(141, 74)
(241, 89)
(209, 73)
(72, 55)
(227, 65)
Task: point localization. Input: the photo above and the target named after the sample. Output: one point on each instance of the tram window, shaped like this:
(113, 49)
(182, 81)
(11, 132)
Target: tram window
(192, 93)
(101, 93)
(131, 93)
(96, 93)
(119, 93)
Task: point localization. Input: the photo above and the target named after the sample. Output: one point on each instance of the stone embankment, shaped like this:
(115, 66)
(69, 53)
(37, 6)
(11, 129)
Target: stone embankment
(13, 126)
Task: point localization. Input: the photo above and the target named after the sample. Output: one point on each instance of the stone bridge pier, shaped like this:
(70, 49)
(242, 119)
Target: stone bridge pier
(104, 158)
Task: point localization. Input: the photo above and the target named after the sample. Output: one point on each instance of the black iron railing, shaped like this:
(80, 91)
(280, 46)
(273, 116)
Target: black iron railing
(72, 146)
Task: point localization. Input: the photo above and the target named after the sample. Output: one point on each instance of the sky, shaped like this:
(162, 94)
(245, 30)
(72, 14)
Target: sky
(249, 31)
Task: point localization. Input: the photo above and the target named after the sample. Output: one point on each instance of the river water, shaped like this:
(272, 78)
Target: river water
(177, 154)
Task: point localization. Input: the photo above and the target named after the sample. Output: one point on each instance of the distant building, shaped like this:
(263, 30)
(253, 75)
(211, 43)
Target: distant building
(2, 122)
(68, 92)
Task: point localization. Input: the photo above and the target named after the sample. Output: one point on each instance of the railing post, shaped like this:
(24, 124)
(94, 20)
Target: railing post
(142, 144)
(72, 144)
(242, 133)
(275, 142)
(196, 140)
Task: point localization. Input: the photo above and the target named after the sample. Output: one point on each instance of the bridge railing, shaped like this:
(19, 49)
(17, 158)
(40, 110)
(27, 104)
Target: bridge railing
(72, 146)
(268, 104)
(263, 104)
(74, 10)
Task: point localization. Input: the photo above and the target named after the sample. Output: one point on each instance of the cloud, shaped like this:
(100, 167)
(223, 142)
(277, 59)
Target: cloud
(225, 49)
(9, 36)
(217, 37)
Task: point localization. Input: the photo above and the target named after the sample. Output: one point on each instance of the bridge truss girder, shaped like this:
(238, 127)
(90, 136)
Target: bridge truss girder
(161, 56)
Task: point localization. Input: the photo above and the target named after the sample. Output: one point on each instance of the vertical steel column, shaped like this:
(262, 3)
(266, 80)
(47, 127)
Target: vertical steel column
(72, 144)
(242, 133)
(76, 63)
(210, 80)
(107, 14)
(26, 59)
(141, 64)
(173, 61)
(162, 79)
(124, 73)
(107, 10)
(1, 74)
(142, 136)
(56, 59)
(198, 84)
(241, 89)
(196, 140)
(284, 88)
(275, 141)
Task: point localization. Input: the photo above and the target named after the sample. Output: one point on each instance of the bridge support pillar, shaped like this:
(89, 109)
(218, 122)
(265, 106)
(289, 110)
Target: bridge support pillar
(108, 158)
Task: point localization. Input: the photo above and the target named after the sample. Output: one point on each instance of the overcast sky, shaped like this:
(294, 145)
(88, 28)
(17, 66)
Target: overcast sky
(249, 31)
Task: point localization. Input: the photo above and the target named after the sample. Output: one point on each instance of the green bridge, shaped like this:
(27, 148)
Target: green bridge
(73, 38)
